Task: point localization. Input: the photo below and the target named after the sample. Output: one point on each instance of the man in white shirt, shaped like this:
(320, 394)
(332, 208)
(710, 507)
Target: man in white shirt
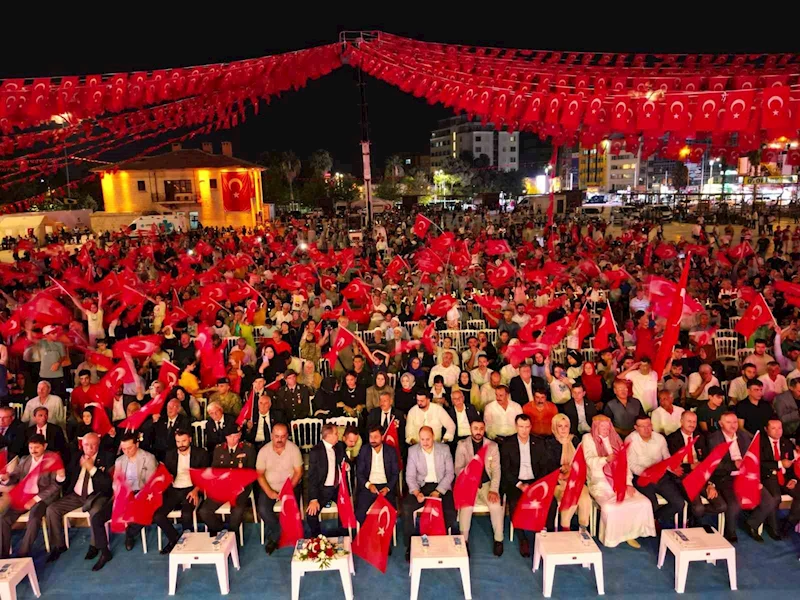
(447, 370)
(57, 414)
(480, 377)
(774, 382)
(737, 390)
(500, 415)
(377, 473)
(645, 383)
(426, 413)
(667, 417)
(699, 384)
(645, 449)
(759, 357)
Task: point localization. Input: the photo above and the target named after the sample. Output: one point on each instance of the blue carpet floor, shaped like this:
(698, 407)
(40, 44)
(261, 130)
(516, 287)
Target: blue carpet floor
(764, 571)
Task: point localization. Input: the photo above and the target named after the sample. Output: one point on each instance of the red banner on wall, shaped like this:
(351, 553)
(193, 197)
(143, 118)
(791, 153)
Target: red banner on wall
(237, 191)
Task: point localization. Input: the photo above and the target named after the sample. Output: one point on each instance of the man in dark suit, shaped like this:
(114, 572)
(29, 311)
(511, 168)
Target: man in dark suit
(53, 434)
(324, 462)
(522, 462)
(88, 487)
(48, 491)
(182, 493)
(376, 473)
(164, 428)
(778, 476)
(12, 433)
(521, 387)
(723, 480)
(677, 440)
(258, 429)
(233, 454)
(383, 415)
(218, 426)
(579, 412)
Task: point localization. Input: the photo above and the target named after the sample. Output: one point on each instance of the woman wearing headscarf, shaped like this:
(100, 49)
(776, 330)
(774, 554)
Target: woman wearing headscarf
(593, 384)
(574, 364)
(405, 396)
(561, 449)
(326, 398)
(625, 514)
(415, 368)
(465, 383)
(380, 385)
(310, 377)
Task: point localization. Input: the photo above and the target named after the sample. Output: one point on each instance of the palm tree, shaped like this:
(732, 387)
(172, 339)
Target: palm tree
(321, 162)
(290, 167)
(394, 168)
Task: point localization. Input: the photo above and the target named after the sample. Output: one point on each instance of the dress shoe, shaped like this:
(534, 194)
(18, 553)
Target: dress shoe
(91, 553)
(524, 548)
(731, 538)
(271, 547)
(55, 554)
(498, 549)
(753, 533)
(773, 534)
(129, 542)
(168, 548)
(634, 544)
(408, 554)
(105, 556)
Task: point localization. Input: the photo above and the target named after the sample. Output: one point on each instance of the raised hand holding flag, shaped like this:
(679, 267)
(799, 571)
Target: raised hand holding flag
(756, 315)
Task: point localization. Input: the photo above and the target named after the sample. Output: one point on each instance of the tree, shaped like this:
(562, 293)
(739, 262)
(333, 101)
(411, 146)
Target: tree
(482, 162)
(394, 168)
(290, 167)
(321, 162)
(344, 189)
(387, 189)
(680, 176)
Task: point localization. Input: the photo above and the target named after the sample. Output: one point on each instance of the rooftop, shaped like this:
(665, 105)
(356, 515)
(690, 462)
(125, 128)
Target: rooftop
(181, 159)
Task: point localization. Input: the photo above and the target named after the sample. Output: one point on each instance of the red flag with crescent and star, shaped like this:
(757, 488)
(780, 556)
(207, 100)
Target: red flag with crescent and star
(575, 481)
(756, 315)
(654, 473)
(148, 410)
(431, 520)
(534, 504)
(290, 521)
(747, 484)
(421, 225)
(237, 191)
(606, 328)
(223, 485)
(149, 499)
(27, 489)
(392, 438)
(169, 373)
(465, 488)
(372, 543)
(695, 481)
(344, 502)
(123, 496)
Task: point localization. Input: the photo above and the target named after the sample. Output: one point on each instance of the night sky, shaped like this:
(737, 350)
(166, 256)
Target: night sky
(325, 114)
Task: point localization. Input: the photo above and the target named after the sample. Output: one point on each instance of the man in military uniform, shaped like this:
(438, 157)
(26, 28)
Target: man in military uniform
(230, 402)
(233, 454)
(293, 399)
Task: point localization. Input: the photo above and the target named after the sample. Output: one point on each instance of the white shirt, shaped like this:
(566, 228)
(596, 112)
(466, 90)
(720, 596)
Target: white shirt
(735, 453)
(666, 423)
(695, 381)
(56, 413)
(79, 484)
(450, 375)
(645, 388)
(462, 423)
(331, 478)
(500, 421)
(263, 421)
(560, 393)
(525, 468)
(434, 417)
(182, 477)
(430, 463)
(773, 388)
(694, 449)
(643, 454)
(583, 425)
(528, 388)
(377, 474)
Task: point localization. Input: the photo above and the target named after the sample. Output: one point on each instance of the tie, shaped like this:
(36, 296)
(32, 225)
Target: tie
(385, 422)
(85, 486)
(690, 456)
(265, 428)
(171, 424)
(40, 431)
(777, 452)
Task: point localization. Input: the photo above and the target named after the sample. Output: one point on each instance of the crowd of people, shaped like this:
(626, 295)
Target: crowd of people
(458, 331)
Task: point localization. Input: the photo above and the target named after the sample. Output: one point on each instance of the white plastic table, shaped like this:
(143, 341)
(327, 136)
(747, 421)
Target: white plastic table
(441, 553)
(566, 548)
(202, 549)
(14, 570)
(709, 547)
(343, 564)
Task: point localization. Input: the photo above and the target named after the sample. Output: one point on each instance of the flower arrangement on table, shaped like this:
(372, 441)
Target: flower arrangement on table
(320, 550)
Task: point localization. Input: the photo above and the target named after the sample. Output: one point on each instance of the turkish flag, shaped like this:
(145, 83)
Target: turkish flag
(677, 115)
(290, 521)
(583, 326)
(391, 438)
(775, 108)
(517, 353)
(741, 251)
(496, 247)
(100, 423)
(421, 225)
(27, 489)
(431, 520)
(756, 315)
(666, 252)
(344, 503)
(555, 332)
(672, 328)
(443, 243)
(465, 488)
(747, 484)
(696, 481)
(357, 290)
(343, 339)
(394, 268)
(223, 485)
(737, 110)
(372, 543)
(703, 338)
(45, 310)
(123, 496)
(589, 268)
(534, 504)
(707, 112)
(169, 373)
(572, 111)
(109, 285)
(654, 473)
(419, 309)
(148, 410)
(537, 322)
(247, 410)
(606, 329)
(648, 115)
(575, 481)
(442, 305)
(237, 191)
(103, 392)
(149, 499)
(793, 154)
(142, 345)
(500, 275)
(428, 261)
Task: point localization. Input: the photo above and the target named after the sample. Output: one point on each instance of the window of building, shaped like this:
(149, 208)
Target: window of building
(177, 186)
(477, 150)
(141, 186)
(212, 183)
(512, 139)
(513, 148)
(477, 138)
(513, 159)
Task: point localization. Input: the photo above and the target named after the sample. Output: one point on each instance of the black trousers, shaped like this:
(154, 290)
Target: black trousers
(99, 513)
(758, 516)
(327, 494)
(513, 494)
(31, 529)
(777, 490)
(272, 527)
(410, 504)
(174, 498)
(669, 489)
(208, 513)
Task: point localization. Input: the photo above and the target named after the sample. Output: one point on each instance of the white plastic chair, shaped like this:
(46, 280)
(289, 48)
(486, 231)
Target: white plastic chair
(343, 421)
(225, 509)
(476, 324)
(80, 514)
(742, 354)
(588, 354)
(726, 346)
(733, 321)
(324, 367)
(276, 508)
(199, 431)
(306, 433)
(18, 409)
(175, 515)
(392, 379)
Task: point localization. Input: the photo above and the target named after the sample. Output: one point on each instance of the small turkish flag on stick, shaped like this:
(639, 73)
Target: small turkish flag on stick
(747, 484)
(344, 502)
(465, 489)
(575, 481)
(695, 481)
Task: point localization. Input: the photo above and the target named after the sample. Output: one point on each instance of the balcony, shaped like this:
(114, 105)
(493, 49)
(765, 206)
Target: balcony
(175, 199)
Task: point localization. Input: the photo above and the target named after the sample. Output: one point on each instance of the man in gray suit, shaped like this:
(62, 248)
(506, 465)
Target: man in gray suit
(47, 492)
(489, 490)
(137, 466)
(429, 472)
